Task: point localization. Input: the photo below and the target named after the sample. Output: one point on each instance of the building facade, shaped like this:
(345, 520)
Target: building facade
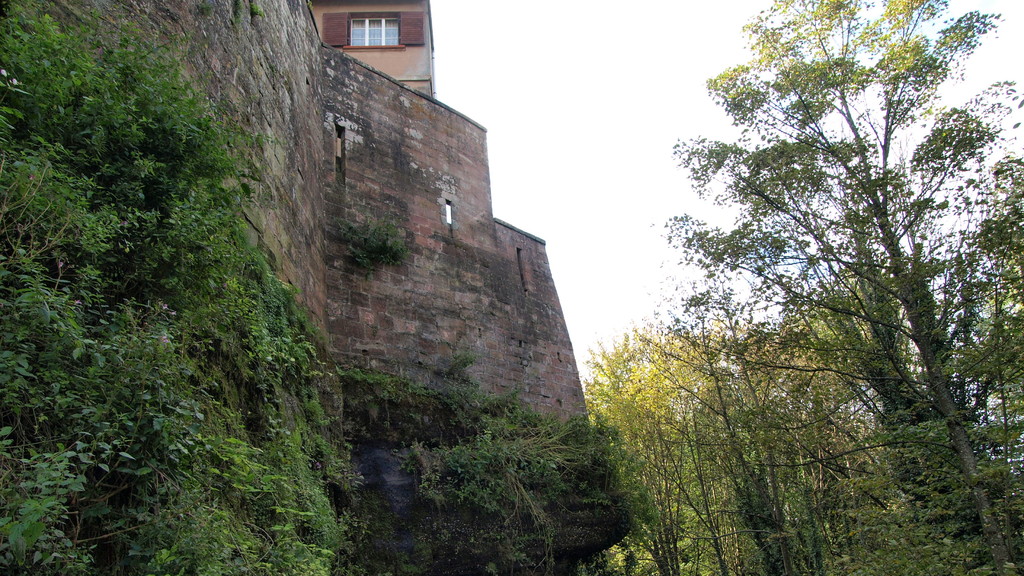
(391, 36)
(474, 294)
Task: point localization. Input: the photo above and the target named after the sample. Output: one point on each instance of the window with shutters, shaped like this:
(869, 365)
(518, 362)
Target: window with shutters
(374, 32)
(377, 29)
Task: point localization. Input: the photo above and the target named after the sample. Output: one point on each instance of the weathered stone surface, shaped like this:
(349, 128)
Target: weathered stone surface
(475, 289)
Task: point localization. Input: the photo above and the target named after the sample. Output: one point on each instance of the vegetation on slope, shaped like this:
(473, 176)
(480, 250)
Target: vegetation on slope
(492, 486)
(163, 409)
(147, 354)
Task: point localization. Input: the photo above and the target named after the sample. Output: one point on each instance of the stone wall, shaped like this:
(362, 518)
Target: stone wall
(538, 339)
(471, 289)
(476, 289)
(262, 69)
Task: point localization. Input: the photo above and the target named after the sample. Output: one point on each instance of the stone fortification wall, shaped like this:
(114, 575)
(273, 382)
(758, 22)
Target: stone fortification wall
(540, 341)
(472, 288)
(475, 289)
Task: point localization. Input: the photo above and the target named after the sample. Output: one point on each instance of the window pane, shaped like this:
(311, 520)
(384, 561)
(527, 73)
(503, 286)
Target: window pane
(391, 32)
(375, 37)
(359, 32)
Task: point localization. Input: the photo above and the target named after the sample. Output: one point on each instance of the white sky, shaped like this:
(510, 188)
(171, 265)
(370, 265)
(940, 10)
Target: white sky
(583, 102)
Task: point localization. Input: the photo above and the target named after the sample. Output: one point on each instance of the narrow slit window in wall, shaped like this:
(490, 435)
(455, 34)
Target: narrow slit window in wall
(339, 152)
(522, 271)
(448, 214)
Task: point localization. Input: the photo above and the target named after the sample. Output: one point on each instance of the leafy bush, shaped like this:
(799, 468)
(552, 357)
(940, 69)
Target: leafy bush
(375, 243)
(148, 356)
(512, 470)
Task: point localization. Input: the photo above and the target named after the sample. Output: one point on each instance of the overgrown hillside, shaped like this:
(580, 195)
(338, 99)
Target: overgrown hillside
(165, 408)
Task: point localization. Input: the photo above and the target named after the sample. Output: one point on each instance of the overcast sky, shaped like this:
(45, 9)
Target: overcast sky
(583, 102)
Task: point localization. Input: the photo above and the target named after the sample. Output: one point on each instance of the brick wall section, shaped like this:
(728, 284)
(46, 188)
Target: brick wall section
(476, 288)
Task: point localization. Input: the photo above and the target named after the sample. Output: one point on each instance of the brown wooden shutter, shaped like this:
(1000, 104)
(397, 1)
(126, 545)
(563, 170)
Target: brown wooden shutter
(411, 28)
(335, 32)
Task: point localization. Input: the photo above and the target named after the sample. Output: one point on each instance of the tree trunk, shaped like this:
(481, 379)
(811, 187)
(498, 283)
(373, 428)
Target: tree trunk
(960, 442)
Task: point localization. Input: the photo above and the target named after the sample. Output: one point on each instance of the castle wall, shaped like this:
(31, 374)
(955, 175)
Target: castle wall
(474, 288)
(539, 340)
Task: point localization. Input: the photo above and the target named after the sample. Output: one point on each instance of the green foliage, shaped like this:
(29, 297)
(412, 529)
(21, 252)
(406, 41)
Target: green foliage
(8, 85)
(872, 240)
(456, 371)
(519, 462)
(130, 159)
(375, 243)
(509, 468)
(615, 562)
(520, 469)
(148, 356)
(750, 468)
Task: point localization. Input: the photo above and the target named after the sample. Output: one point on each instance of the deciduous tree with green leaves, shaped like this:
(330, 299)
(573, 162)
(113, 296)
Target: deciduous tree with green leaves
(864, 212)
(749, 470)
(629, 391)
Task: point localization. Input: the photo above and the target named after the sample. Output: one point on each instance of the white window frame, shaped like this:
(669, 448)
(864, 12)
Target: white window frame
(364, 24)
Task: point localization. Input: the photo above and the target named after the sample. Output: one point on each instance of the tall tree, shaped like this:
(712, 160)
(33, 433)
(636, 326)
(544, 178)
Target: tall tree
(861, 203)
(628, 392)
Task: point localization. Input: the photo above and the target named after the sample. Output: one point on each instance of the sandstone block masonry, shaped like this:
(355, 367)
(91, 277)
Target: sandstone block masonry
(472, 288)
(341, 143)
